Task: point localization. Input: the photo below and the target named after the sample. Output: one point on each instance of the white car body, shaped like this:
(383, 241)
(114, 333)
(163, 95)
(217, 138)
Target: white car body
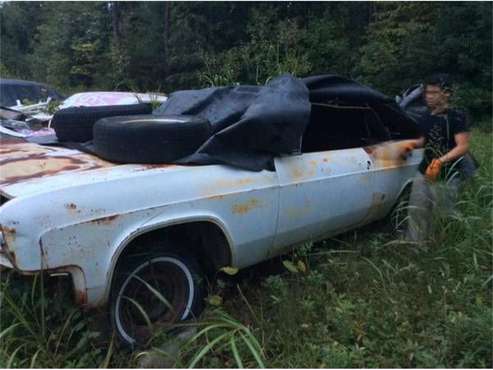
(67, 211)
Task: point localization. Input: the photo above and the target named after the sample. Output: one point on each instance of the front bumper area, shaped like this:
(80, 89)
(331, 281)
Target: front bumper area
(4, 262)
(5, 257)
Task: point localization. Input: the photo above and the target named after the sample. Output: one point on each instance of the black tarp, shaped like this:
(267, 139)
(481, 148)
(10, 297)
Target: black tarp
(253, 124)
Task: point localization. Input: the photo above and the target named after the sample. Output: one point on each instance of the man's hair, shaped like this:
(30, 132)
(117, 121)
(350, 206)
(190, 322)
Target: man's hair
(440, 79)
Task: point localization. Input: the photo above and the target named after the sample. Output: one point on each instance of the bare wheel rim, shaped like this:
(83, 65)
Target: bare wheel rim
(143, 290)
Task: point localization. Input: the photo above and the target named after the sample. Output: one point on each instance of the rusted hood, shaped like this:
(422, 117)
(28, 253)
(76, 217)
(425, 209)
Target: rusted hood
(27, 168)
(21, 161)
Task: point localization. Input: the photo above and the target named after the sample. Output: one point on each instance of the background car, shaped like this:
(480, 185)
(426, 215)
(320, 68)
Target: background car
(18, 93)
(104, 98)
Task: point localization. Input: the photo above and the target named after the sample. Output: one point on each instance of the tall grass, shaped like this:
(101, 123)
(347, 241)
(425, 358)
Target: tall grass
(361, 300)
(38, 331)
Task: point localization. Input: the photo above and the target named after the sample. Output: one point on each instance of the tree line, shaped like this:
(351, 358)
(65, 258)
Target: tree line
(165, 46)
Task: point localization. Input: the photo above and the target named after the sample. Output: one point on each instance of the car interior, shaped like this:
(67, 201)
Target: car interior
(334, 127)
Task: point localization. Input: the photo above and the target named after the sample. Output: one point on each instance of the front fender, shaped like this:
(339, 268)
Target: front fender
(96, 245)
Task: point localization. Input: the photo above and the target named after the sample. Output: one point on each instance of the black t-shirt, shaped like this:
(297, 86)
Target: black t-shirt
(439, 131)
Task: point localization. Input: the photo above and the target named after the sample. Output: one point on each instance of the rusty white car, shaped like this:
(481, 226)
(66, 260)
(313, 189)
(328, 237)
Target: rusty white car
(140, 238)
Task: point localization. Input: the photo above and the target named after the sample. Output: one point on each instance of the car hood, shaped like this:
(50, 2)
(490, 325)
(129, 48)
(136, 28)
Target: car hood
(29, 168)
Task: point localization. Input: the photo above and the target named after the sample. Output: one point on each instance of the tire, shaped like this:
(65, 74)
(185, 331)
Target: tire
(149, 138)
(75, 124)
(176, 278)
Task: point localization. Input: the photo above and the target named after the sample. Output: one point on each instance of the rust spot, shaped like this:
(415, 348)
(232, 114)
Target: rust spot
(8, 151)
(216, 197)
(233, 183)
(246, 207)
(297, 173)
(10, 140)
(41, 156)
(244, 181)
(9, 233)
(104, 220)
(390, 153)
(9, 230)
(71, 206)
(224, 185)
(80, 296)
(15, 179)
(23, 161)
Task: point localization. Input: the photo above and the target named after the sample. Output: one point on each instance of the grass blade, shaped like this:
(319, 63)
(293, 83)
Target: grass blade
(106, 362)
(253, 351)
(11, 327)
(12, 356)
(34, 358)
(65, 326)
(377, 270)
(205, 330)
(154, 291)
(236, 354)
(19, 315)
(141, 310)
(487, 281)
(206, 349)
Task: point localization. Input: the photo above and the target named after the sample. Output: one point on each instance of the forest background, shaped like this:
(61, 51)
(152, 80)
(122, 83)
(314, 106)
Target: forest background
(166, 46)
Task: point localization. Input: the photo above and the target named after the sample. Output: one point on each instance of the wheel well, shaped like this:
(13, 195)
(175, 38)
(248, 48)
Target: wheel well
(204, 240)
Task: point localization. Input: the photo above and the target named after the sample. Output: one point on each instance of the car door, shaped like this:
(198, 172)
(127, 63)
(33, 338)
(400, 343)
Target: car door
(392, 169)
(321, 193)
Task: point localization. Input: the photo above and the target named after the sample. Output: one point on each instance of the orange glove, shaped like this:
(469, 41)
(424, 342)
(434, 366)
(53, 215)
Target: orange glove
(433, 170)
(406, 149)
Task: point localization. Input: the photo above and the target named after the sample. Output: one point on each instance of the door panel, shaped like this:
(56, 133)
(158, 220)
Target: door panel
(321, 193)
(389, 173)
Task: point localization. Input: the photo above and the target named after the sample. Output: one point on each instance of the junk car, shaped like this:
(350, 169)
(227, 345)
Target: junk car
(296, 160)
(15, 94)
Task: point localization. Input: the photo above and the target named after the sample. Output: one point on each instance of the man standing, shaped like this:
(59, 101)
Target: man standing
(446, 141)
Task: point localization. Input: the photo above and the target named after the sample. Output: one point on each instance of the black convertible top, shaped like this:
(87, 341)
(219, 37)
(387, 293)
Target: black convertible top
(253, 124)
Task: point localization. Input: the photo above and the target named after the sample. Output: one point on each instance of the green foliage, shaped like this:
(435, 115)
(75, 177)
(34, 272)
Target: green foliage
(477, 99)
(223, 336)
(4, 72)
(406, 42)
(272, 49)
(330, 40)
(163, 46)
(399, 43)
(71, 45)
(18, 22)
(37, 331)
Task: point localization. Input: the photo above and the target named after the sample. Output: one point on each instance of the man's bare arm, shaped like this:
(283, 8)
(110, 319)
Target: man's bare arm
(462, 141)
